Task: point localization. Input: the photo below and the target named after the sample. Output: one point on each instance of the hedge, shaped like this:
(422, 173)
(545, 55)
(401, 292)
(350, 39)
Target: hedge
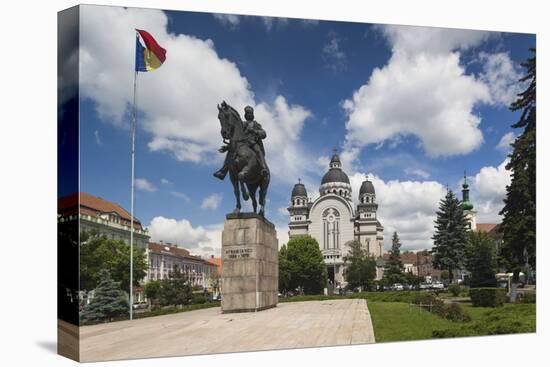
(488, 297)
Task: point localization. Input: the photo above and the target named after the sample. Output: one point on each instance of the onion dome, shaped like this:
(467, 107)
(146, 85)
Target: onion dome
(335, 175)
(366, 188)
(299, 190)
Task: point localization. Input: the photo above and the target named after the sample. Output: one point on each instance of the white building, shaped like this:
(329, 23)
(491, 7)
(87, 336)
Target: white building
(334, 221)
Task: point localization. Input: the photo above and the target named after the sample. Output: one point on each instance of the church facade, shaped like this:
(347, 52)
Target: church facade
(334, 221)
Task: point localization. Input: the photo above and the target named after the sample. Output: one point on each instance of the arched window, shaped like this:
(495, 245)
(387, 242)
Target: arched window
(331, 229)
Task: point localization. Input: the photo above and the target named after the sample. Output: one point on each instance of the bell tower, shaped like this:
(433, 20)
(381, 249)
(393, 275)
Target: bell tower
(299, 211)
(467, 205)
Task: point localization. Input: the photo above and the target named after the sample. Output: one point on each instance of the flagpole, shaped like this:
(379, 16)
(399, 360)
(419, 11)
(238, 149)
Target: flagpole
(132, 200)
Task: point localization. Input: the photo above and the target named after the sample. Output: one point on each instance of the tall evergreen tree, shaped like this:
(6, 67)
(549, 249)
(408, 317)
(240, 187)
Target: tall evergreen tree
(360, 269)
(393, 270)
(450, 237)
(109, 300)
(480, 260)
(519, 212)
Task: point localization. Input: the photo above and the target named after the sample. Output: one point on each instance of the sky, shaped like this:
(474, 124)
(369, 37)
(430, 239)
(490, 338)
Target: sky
(411, 107)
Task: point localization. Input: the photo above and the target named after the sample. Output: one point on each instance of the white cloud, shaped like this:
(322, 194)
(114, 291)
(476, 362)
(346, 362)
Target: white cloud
(333, 55)
(231, 20)
(178, 101)
(506, 140)
(212, 201)
(502, 76)
(271, 23)
(97, 138)
(144, 185)
(181, 195)
(423, 91)
(489, 191)
(407, 207)
(417, 172)
(165, 181)
(431, 39)
(199, 240)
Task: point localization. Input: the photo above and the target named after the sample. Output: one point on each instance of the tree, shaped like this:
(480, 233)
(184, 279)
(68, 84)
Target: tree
(519, 212)
(285, 271)
(360, 268)
(481, 260)
(304, 265)
(109, 300)
(450, 237)
(153, 291)
(393, 270)
(176, 289)
(101, 253)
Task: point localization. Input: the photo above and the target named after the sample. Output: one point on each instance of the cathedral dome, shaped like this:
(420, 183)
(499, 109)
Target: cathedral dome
(299, 190)
(366, 188)
(335, 175)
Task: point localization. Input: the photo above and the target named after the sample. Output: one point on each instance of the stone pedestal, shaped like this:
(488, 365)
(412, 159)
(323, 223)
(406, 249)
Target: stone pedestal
(250, 263)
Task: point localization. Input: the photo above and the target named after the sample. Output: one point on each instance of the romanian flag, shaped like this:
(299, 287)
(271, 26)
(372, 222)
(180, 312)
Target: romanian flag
(151, 56)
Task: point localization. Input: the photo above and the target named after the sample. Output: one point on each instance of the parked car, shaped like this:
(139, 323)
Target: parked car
(424, 286)
(397, 287)
(438, 285)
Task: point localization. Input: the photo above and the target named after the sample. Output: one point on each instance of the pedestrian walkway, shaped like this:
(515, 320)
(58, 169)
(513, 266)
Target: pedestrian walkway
(289, 325)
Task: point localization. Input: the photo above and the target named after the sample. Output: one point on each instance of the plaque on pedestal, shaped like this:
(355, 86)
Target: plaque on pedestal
(250, 278)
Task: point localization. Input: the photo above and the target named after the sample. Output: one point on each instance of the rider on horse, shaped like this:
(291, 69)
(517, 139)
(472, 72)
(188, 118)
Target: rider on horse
(255, 134)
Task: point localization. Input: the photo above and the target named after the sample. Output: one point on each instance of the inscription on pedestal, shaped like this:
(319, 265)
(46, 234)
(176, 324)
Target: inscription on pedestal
(240, 252)
(250, 266)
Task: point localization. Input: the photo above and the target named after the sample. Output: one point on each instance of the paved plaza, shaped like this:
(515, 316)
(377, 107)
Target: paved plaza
(289, 325)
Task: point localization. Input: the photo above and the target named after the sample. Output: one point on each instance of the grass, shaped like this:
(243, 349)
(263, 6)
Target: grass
(396, 321)
(390, 296)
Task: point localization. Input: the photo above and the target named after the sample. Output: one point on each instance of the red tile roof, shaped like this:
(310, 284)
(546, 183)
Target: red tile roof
(215, 261)
(93, 206)
(485, 227)
(175, 251)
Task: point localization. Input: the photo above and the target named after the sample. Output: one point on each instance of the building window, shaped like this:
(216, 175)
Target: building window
(331, 229)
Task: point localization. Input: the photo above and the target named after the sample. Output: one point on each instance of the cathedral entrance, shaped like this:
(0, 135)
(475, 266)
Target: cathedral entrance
(331, 277)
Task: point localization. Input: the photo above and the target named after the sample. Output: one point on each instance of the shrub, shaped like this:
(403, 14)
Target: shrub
(198, 298)
(488, 297)
(526, 298)
(454, 312)
(449, 311)
(454, 289)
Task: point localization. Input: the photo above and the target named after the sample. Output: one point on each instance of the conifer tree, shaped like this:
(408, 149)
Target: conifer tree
(109, 300)
(360, 267)
(519, 212)
(450, 237)
(481, 260)
(393, 270)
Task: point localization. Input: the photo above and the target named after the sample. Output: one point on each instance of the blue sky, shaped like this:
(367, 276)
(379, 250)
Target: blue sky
(411, 107)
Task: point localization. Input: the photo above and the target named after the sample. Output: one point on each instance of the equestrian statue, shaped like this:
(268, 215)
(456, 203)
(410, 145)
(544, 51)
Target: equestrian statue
(245, 158)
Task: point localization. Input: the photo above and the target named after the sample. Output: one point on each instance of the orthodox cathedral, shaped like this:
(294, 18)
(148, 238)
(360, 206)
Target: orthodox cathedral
(334, 221)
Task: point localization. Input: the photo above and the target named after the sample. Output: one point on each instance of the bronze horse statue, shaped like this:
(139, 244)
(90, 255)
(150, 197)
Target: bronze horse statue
(245, 170)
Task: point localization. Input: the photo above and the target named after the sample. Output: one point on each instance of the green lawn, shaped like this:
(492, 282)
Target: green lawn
(396, 321)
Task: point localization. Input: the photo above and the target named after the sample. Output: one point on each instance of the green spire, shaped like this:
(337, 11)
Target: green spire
(466, 203)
